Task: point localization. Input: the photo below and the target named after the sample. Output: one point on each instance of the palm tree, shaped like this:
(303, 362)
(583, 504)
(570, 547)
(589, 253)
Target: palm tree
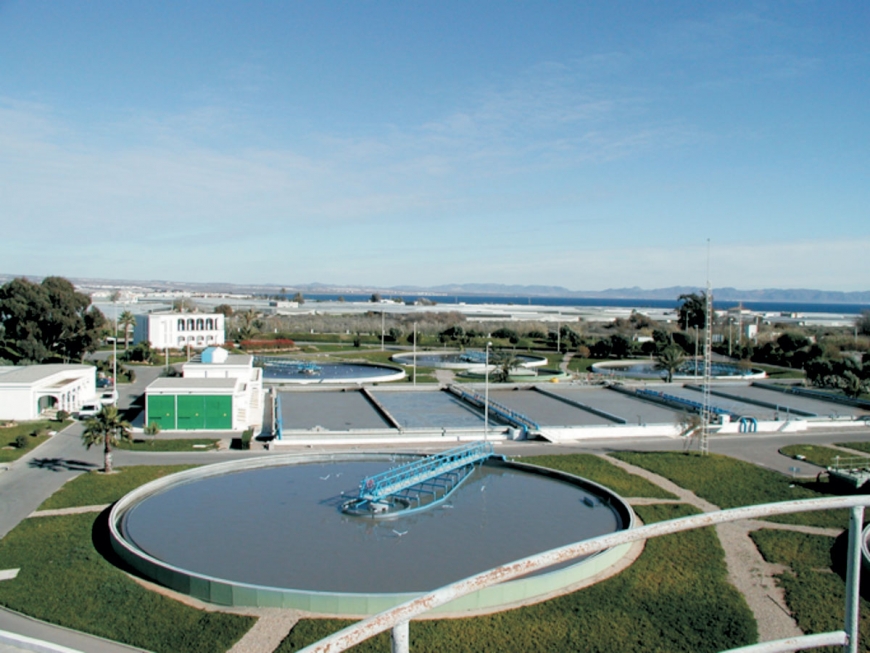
(106, 428)
(669, 359)
(126, 320)
(506, 361)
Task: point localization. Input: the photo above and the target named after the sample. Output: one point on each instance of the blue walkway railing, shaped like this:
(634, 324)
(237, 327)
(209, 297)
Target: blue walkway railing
(510, 416)
(380, 486)
(682, 401)
(277, 361)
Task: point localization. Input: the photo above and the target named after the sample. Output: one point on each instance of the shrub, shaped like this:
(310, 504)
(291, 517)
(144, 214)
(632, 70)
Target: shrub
(62, 415)
(20, 442)
(247, 434)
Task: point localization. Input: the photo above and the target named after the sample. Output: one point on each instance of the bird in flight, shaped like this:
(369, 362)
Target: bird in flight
(399, 533)
(325, 478)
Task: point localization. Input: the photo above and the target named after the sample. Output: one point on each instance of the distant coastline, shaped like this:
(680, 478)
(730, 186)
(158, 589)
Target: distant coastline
(615, 302)
(768, 300)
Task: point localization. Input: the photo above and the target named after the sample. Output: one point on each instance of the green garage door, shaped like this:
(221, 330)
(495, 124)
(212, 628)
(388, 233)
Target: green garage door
(161, 410)
(191, 412)
(198, 412)
(219, 413)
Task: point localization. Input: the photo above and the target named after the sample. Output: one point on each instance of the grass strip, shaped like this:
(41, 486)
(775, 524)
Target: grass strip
(817, 601)
(65, 580)
(731, 483)
(9, 449)
(582, 365)
(863, 447)
(95, 488)
(815, 454)
(600, 471)
(675, 597)
(815, 596)
(158, 445)
(793, 548)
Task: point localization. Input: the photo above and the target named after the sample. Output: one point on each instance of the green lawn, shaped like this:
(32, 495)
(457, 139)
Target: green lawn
(675, 597)
(157, 444)
(793, 548)
(863, 447)
(600, 471)
(65, 580)
(95, 488)
(815, 454)
(8, 449)
(815, 595)
(731, 483)
(582, 365)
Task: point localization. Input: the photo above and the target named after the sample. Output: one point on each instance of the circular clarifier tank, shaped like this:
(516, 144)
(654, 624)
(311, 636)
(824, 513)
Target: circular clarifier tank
(271, 532)
(294, 372)
(461, 360)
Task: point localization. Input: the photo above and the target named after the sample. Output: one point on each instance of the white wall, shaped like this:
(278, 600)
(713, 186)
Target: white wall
(17, 404)
(180, 330)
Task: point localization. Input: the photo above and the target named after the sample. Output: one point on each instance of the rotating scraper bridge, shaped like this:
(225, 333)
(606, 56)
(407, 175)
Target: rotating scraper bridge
(419, 484)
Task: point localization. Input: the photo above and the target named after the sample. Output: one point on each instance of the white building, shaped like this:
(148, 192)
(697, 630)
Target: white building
(25, 392)
(180, 330)
(218, 392)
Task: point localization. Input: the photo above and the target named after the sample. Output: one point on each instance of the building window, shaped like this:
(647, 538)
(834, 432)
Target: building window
(181, 325)
(209, 324)
(190, 324)
(199, 325)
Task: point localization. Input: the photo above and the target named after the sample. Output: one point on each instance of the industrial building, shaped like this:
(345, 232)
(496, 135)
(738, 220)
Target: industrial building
(217, 392)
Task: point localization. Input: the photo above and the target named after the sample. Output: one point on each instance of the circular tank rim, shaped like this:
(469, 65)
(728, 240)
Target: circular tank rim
(548, 375)
(393, 374)
(407, 358)
(615, 368)
(232, 593)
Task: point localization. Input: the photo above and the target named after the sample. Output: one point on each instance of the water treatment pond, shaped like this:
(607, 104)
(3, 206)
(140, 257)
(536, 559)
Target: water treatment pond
(281, 527)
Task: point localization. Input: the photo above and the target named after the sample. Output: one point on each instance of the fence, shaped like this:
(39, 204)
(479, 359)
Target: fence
(397, 619)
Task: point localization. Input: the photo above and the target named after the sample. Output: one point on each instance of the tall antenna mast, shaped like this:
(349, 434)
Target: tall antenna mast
(706, 415)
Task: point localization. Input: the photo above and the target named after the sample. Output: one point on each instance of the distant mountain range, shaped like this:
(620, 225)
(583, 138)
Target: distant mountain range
(804, 295)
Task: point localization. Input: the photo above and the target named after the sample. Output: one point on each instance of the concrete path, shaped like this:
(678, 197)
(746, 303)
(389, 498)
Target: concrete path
(29, 627)
(272, 627)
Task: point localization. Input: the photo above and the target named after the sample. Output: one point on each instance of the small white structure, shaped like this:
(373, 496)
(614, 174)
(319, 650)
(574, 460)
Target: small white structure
(27, 391)
(180, 330)
(218, 391)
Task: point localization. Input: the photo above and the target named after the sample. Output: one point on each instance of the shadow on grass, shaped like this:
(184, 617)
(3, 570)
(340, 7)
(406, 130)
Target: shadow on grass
(102, 541)
(61, 465)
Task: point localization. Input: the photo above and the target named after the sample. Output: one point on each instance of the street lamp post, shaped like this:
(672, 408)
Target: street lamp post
(115, 352)
(486, 395)
(383, 313)
(415, 354)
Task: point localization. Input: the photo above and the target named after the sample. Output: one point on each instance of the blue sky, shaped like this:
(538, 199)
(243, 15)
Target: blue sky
(591, 145)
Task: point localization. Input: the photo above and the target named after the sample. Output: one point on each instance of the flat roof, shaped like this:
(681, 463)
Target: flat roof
(35, 373)
(186, 385)
(233, 360)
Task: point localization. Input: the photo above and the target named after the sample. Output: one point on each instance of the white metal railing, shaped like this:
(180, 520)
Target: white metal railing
(397, 618)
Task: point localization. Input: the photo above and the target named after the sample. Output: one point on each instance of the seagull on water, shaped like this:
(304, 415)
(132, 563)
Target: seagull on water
(482, 488)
